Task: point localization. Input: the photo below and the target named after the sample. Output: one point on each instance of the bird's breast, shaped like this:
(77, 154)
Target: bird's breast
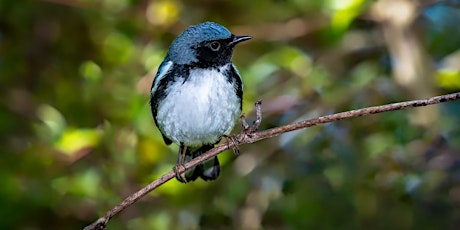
(200, 109)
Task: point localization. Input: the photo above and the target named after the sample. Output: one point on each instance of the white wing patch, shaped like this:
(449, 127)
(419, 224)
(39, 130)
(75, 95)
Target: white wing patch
(164, 68)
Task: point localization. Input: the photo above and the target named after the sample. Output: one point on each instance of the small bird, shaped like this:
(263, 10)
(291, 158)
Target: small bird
(196, 95)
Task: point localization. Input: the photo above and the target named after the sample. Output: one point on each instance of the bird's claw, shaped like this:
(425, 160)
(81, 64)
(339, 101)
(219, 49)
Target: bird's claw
(232, 142)
(181, 176)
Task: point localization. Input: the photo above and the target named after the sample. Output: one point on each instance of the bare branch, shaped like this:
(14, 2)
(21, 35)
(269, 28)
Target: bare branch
(252, 136)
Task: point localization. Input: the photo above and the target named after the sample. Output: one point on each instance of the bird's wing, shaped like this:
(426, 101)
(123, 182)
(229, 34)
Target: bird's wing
(162, 72)
(238, 83)
(158, 90)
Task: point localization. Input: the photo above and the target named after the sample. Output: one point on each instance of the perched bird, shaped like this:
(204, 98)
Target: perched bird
(196, 95)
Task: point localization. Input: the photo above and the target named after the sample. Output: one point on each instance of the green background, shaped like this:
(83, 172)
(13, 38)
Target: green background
(77, 137)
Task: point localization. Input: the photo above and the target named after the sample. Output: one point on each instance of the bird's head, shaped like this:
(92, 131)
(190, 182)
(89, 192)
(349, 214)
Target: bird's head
(206, 44)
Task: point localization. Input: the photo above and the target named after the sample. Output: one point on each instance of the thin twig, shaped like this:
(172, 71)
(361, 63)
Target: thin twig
(244, 123)
(245, 138)
(256, 123)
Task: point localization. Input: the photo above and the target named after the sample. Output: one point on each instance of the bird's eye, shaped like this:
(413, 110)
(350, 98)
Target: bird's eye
(215, 46)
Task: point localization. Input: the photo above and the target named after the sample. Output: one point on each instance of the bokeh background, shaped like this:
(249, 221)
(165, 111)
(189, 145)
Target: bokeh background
(77, 137)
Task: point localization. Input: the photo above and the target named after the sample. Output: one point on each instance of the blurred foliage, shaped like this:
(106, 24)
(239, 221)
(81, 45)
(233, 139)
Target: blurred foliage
(76, 134)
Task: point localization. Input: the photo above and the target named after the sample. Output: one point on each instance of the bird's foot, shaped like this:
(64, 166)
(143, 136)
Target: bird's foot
(180, 176)
(232, 142)
(180, 164)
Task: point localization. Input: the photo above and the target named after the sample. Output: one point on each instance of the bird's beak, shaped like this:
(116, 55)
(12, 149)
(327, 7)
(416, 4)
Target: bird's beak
(238, 39)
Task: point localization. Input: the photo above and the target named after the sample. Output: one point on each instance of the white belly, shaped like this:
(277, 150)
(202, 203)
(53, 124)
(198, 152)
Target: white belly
(200, 110)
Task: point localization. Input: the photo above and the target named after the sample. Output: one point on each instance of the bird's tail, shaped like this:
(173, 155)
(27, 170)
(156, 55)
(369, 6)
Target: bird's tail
(208, 170)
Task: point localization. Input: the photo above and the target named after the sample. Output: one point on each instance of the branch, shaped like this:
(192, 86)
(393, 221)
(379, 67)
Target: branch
(250, 136)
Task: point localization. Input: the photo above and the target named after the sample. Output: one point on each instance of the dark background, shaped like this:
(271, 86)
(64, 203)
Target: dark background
(77, 137)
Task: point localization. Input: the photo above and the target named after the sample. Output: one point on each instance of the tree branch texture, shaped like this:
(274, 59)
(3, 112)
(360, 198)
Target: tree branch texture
(249, 135)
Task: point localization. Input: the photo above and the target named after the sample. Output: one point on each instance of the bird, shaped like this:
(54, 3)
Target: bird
(196, 95)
